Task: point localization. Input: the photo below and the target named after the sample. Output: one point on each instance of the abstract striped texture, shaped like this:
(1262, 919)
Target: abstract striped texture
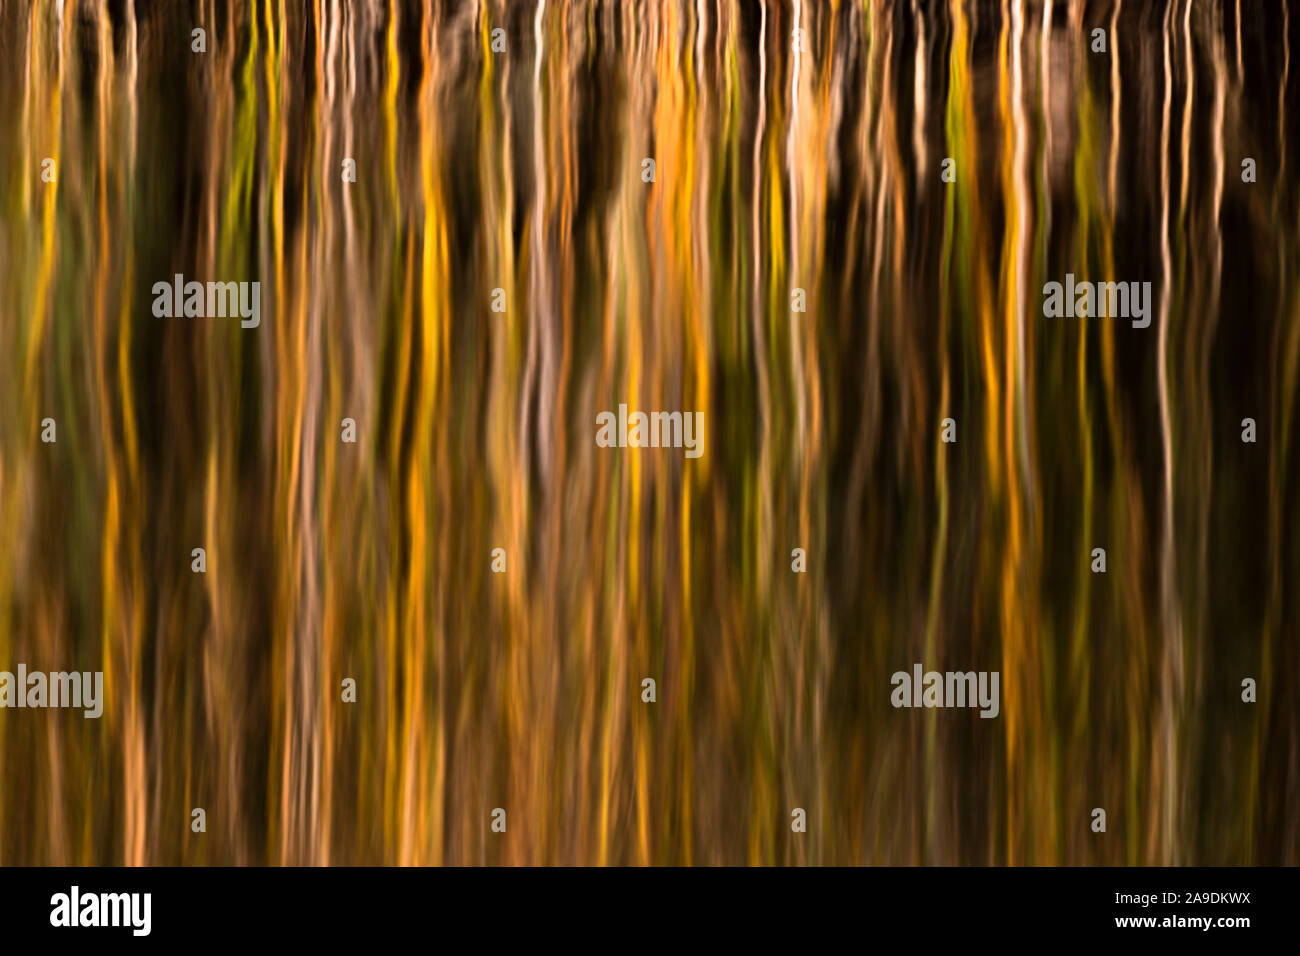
(783, 161)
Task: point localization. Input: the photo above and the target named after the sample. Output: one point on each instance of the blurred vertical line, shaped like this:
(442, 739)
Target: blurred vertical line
(1158, 845)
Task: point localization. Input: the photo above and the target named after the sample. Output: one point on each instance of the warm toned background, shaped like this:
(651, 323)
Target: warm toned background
(522, 170)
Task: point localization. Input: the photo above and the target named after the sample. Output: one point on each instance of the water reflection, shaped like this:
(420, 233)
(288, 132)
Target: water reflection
(783, 161)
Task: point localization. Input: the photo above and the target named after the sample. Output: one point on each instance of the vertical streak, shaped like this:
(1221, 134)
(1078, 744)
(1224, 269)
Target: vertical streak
(1170, 618)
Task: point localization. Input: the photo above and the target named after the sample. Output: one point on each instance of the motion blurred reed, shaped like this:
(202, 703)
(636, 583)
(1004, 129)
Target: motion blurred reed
(775, 170)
